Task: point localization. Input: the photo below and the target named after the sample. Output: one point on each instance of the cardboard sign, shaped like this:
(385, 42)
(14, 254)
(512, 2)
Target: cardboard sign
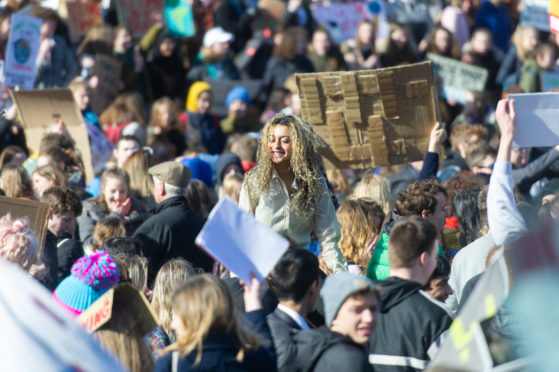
(21, 54)
(457, 78)
(550, 81)
(221, 88)
(224, 237)
(37, 334)
(136, 14)
(82, 15)
(341, 19)
(180, 20)
(371, 118)
(35, 212)
(536, 117)
(38, 109)
(121, 298)
(108, 70)
(535, 13)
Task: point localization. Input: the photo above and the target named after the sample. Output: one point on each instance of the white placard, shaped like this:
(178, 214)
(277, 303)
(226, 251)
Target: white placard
(537, 115)
(242, 244)
(21, 54)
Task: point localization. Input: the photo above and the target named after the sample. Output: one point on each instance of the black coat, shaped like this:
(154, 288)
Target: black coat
(67, 251)
(409, 327)
(283, 327)
(170, 233)
(321, 350)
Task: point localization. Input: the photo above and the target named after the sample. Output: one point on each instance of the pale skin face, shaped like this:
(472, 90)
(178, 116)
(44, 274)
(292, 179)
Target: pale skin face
(204, 102)
(365, 33)
(81, 97)
(124, 150)
(357, 318)
(177, 325)
(439, 288)
(441, 212)
(238, 109)
(41, 184)
(279, 143)
(60, 224)
(123, 41)
(442, 41)
(115, 192)
(320, 43)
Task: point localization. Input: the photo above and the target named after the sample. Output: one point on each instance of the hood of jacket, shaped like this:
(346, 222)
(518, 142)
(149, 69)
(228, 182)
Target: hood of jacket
(395, 290)
(394, 219)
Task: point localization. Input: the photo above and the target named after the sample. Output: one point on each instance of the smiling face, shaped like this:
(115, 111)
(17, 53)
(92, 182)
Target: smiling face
(115, 192)
(279, 143)
(357, 317)
(41, 184)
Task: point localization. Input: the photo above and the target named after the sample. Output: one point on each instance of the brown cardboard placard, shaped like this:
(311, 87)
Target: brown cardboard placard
(37, 108)
(35, 212)
(371, 118)
(125, 298)
(108, 70)
(81, 16)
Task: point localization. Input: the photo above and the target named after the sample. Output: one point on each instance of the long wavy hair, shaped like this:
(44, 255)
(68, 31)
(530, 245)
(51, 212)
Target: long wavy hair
(306, 164)
(204, 305)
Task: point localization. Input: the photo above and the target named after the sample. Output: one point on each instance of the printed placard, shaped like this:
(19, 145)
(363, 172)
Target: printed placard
(21, 54)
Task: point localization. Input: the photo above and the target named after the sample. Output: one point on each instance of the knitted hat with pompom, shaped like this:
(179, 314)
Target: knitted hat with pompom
(91, 277)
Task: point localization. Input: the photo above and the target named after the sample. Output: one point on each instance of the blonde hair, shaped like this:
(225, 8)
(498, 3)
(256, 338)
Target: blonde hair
(357, 222)
(374, 187)
(521, 53)
(19, 245)
(137, 268)
(231, 186)
(171, 276)
(113, 173)
(140, 182)
(16, 182)
(204, 305)
(106, 228)
(306, 164)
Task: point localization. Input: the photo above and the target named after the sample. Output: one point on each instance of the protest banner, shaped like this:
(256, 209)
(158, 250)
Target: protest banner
(37, 334)
(554, 16)
(550, 81)
(108, 70)
(341, 19)
(457, 78)
(21, 54)
(136, 15)
(122, 298)
(535, 13)
(180, 20)
(221, 88)
(224, 237)
(371, 118)
(35, 212)
(41, 109)
(81, 15)
(536, 117)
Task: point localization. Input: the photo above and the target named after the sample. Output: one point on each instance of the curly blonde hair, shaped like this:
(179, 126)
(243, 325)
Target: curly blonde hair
(306, 164)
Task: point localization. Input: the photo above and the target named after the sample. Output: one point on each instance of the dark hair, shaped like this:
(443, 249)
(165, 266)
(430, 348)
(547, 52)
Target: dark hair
(408, 240)
(286, 48)
(198, 198)
(442, 268)
(419, 197)
(46, 14)
(63, 199)
(128, 137)
(123, 246)
(465, 208)
(294, 273)
(55, 140)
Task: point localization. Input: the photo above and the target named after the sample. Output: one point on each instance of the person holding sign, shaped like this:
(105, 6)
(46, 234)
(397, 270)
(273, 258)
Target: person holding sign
(287, 191)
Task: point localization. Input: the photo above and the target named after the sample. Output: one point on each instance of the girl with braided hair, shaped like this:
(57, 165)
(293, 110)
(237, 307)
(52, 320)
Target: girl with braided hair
(287, 191)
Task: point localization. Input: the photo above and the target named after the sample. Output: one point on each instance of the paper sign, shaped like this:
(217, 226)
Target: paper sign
(341, 19)
(21, 54)
(242, 244)
(180, 19)
(371, 118)
(82, 15)
(37, 109)
(554, 16)
(536, 116)
(135, 14)
(221, 88)
(108, 70)
(550, 81)
(121, 298)
(37, 334)
(535, 13)
(35, 212)
(457, 78)
(101, 147)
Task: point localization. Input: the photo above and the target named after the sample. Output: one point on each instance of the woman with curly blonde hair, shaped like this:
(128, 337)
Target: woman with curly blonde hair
(360, 223)
(287, 191)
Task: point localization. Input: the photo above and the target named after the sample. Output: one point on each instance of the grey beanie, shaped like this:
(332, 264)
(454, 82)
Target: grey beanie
(337, 288)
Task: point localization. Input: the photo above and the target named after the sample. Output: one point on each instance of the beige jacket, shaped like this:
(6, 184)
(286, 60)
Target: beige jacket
(273, 210)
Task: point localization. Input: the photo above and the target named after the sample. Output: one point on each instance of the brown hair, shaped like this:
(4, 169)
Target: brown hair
(127, 106)
(198, 198)
(245, 147)
(463, 132)
(52, 173)
(231, 185)
(408, 240)
(112, 173)
(9, 153)
(63, 199)
(46, 14)
(459, 182)
(69, 157)
(140, 182)
(418, 197)
(286, 48)
(477, 153)
(453, 50)
(358, 42)
(106, 228)
(16, 182)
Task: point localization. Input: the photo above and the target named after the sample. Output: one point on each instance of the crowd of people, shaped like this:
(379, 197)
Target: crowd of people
(380, 260)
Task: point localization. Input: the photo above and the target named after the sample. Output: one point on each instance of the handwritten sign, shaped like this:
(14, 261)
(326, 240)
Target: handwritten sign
(23, 47)
(341, 19)
(136, 14)
(82, 15)
(457, 78)
(98, 313)
(535, 14)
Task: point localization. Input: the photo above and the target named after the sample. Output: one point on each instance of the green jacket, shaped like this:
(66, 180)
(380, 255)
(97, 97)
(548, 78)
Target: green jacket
(379, 266)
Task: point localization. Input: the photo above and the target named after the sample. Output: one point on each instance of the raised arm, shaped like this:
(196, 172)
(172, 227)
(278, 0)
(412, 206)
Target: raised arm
(431, 160)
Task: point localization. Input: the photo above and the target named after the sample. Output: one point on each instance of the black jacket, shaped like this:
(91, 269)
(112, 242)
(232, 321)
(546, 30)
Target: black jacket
(283, 327)
(409, 329)
(219, 353)
(321, 350)
(67, 250)
(170, 233)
